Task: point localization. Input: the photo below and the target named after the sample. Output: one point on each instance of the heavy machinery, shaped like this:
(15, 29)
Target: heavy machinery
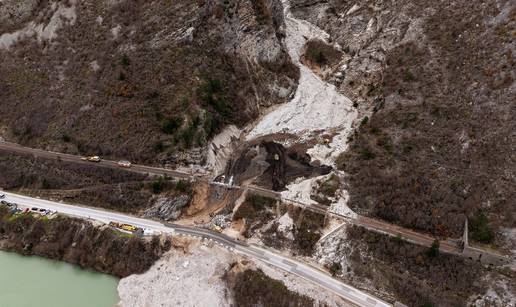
(91, 159)
(126, 227)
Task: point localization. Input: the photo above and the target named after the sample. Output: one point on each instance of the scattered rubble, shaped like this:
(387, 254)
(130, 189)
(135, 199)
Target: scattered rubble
(192, 278)
(168, 208)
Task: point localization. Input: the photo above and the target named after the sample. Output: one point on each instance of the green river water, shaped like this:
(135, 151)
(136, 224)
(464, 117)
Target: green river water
(38, 282)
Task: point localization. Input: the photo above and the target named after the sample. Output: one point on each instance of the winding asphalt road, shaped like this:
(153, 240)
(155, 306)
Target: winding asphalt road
(350, 294)
(448, 246)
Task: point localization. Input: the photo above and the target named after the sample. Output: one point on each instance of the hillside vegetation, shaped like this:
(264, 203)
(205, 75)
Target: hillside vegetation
(434, 82)
(143, 80)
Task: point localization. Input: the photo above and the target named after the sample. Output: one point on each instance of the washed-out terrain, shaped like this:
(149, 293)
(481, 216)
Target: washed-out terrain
(396, 110)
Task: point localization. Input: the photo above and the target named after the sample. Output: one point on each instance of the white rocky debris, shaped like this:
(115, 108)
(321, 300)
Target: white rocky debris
(328, 153)
(332, 248)
(116, 31)
(194, 278)
(341, 206)
(297, 284)
(501, 292)
(317, 105)
(301, 189)
(191, 279)
(286, 226)
(221, 148)
(43, 32)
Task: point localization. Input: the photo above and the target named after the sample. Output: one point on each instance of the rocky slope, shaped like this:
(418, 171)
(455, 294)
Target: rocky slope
(144, 80)
(434, 84)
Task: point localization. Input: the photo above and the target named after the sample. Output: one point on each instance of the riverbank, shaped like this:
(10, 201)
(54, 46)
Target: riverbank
(79, 242)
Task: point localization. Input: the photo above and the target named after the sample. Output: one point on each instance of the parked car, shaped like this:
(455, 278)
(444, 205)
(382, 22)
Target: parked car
(34, 209)
(2, 196)
(91, 159)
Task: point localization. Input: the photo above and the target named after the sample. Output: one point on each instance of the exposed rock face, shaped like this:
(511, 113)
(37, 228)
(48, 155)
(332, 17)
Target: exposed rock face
(168, 208)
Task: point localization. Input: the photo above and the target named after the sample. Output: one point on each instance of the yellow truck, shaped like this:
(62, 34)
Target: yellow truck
(126, 227)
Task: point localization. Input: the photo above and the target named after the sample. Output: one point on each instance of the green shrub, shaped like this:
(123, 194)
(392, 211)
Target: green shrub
(479, 229)
(321, 53)
(183, 186)
(408, 76)
(171, 124)
(159, 147)
(45, 184)
(212, 93)
(211, 125)
(434, 249)
(330, 186)
(367, 154)
(125, 60)
(335, 268)
(364, 121)
(158, 185)
(188, 134)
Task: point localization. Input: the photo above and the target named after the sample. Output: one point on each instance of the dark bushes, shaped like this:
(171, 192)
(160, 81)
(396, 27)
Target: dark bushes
(321, 54)
(414, 274)
(479, 229)
(254, 288)
(79, 242)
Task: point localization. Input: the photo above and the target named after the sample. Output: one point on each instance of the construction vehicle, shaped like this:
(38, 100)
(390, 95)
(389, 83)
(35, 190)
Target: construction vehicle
(126, 227)
(91, 159)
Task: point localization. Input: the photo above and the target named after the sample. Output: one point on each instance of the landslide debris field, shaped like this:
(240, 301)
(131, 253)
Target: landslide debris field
(398, 110)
